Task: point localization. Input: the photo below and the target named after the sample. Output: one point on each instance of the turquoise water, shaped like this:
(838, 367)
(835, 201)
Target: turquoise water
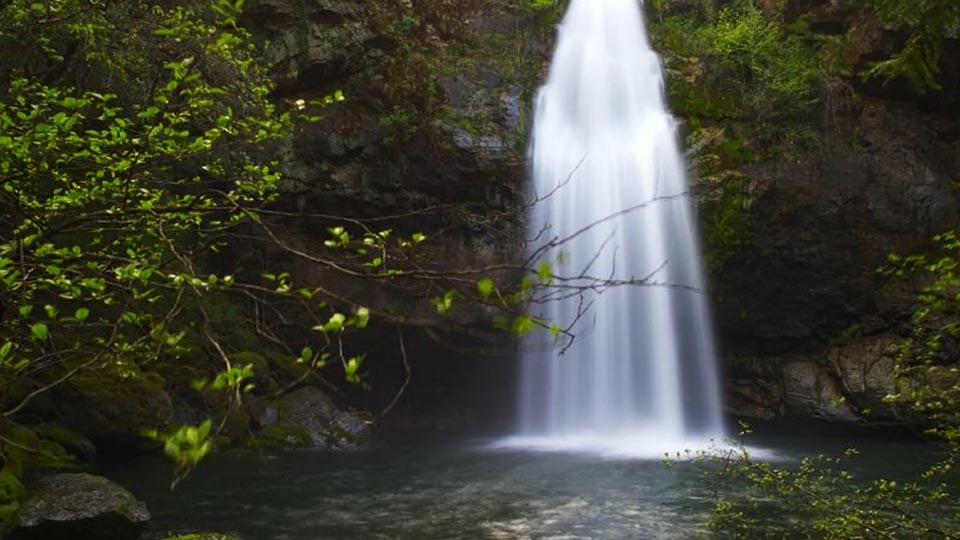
(429, 488)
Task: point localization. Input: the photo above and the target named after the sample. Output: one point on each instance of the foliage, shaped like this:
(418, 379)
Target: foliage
(820, 498)
(739, 67)
(928, 23)
(777, 70)
(186, 446)
(926, 367)
(115, 203)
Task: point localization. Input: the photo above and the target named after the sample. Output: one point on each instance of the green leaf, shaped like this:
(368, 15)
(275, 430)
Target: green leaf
(522, 325)
(485, 287)
(335, 324)
(363, 317)
(351, 369)
(545, 271)
(25, 311)
(5, 350)
(445, 303)
(81, 314)
(554, 330)
(39, 331)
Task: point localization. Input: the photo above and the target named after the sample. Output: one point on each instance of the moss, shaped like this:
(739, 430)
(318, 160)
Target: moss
(8, 512)
(729, 225)
(282, 437)
(70, 440)
(285, 368)
(117, 406)
(179, 374)
(11, 489)
(20, 447)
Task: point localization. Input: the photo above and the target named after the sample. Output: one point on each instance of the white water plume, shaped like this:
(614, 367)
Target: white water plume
(641, 374)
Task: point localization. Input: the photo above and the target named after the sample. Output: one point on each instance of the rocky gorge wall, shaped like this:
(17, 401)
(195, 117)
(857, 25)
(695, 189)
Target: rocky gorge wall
(809, 321)
(432, 130)
(441, 121)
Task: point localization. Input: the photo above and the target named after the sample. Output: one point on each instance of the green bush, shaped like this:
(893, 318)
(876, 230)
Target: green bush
(927, 23)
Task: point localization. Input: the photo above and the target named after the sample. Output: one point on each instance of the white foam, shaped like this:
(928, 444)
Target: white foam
(634, 446)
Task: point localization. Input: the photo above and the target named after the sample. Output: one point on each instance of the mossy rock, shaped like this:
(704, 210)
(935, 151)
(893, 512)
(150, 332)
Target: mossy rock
(11, 489)
(180, 374)
(308, 418)
(29, 451)
(262, 380)
(114, 409)
(70, 440)
(16, 388)
(203, 536)
(287, 369)
(283, 437)
(8, 514)
(24, 444)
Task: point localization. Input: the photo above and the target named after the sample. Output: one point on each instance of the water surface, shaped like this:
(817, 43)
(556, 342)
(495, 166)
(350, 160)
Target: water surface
(426, 488)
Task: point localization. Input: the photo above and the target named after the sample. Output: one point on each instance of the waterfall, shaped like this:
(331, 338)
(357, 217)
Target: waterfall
(641, 374)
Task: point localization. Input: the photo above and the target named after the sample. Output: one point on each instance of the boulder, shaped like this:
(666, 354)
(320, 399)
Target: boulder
(866, 368)
(80, 506)
(847, 382)
(307, 418)
(74, 443)
(114, 409)
(811, 392)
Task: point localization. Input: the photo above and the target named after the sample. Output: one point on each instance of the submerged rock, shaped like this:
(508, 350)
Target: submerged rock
(80, 506)
(308, 418)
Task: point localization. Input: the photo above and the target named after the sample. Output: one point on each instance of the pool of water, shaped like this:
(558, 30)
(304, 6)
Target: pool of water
(453, 488)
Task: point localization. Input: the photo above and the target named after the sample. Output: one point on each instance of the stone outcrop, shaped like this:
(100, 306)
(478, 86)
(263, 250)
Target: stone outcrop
(429, 121)
(845, 383)
(307, 418)
(114, 408)
(74, 506)
(824, 225)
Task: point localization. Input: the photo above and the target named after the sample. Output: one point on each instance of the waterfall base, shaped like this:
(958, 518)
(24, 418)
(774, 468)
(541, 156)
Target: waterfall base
(634, 446)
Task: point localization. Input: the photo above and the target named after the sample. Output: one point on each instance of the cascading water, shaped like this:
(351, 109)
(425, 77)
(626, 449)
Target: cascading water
(640, 376)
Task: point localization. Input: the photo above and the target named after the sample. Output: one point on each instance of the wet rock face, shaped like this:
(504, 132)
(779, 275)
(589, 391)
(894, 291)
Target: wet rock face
(847, 383)
(438, 120)
(307, 418)
(80, 506)
(309, 44)
(826, 224)
(429, 121)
